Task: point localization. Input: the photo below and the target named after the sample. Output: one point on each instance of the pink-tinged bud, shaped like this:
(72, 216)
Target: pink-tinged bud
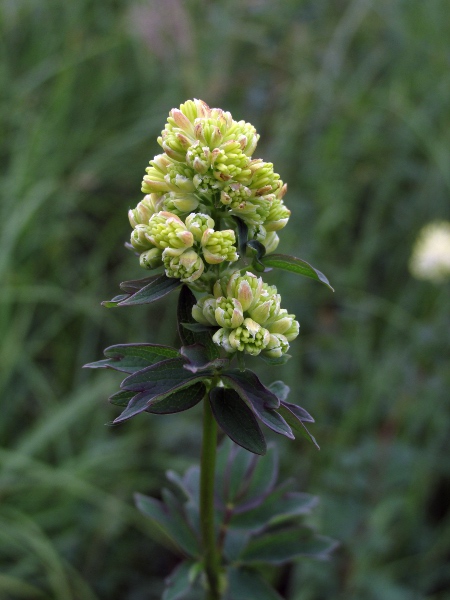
(181, 120)
(221, 338)
(261, 313)
(228, 312)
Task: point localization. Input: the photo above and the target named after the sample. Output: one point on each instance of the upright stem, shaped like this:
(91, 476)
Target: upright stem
(208, 463)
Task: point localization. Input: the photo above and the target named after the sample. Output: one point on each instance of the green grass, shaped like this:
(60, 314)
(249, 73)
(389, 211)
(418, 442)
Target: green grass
(353, 101)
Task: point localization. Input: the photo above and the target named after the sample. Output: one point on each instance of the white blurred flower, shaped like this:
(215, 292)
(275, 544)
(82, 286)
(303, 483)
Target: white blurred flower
(431, 254)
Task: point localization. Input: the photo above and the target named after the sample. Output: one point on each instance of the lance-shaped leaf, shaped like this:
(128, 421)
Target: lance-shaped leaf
(244, 584)
(115, 301)
(294, 417)
(275, 509)
(137, 284)
(237, 420)
(256, 397)
(130, 358)
(157, 288)
(154, 384)
(283, 546)
(180, 583)
(179, 401)
(252, 387)
(294, 265)
(262, 479)
(122, 398)
(188, 337)
(164, 525)
(198, 359)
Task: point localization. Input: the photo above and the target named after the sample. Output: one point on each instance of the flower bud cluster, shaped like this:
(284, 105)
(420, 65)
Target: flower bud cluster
(197, 189)
(207, 166)
(249, 315)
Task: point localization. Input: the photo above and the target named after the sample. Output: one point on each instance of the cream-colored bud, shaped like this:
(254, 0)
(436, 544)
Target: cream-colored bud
(221, 338)
(277, 346)
(228, 312)
(198, 223)
(151, 259)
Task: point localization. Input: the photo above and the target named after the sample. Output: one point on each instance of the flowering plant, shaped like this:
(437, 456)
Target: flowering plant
(208, 226)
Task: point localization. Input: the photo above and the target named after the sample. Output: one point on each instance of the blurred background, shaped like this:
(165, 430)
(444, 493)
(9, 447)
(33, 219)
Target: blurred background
(352, 101)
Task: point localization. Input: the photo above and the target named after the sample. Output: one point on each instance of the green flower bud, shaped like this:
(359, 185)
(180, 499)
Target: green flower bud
(278, 216)
(228, 312)
(245, 134)
(154, 180)
(198, 223)
(218, 246)
(151, 259)
(222, 339)
(139, 238)
(271, 242)
(250, 337)
(244, 203)
(199, 158)
(209, 310)
(293, 331)
(277, 346)
(229, 162)
(197, 311)
(267, 310)
(206, 184)
(166, 230)
(245, 288)
(180, 203)
(187, 266)
(282, 322)
(179, 177)
(145, 209)
(263, 178)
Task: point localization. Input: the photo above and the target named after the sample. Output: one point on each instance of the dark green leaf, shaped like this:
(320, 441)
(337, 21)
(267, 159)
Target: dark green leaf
(279, 360)
(237, 420)
(263, 477)
(199, 328)
(275, 509)
(115, 301)
(254, 396)
(133, 357)
(298, 412)
(297, 424)
(164, 525)
(122, 398)
(252, 387)
(179, 583)
(137, 284)
(184, 315)
(156, 289)
(242, 235)
(155, 383)
(179, 401)
(163, 375)
(294, 265)
(280, 389)
(185, 536)
(244, 584)
(198, 359)
(283, 546)
(235, 542)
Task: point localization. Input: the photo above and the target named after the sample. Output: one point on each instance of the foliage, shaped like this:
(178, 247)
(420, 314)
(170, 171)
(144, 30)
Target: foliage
(363, 136)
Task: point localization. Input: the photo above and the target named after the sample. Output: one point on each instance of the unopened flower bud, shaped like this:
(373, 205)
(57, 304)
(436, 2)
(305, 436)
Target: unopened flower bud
(166, 230)
(139, 238)
(250, 337)
(277, 346)
(198, 223)
(278, 216)
(221, 338)
(198, 314)
(183, 203)
(271, 242)
(151, 259)
(144, 210)
(228, 312)
(218, 246)
(293, 331)
(245, 288)
(187, 266)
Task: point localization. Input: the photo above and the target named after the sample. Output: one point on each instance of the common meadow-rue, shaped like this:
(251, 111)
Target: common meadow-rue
(430, 257)
(208, 226)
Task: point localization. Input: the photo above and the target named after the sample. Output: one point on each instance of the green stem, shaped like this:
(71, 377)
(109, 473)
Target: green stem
(208, 463)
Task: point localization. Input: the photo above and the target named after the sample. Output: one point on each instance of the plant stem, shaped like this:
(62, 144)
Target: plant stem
(208, 463)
